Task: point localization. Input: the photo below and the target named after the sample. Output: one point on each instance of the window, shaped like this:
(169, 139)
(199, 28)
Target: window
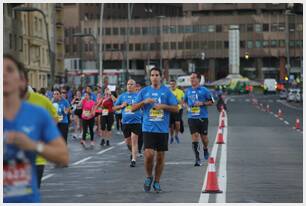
(152, 46)
(242, 44)
(173, 45)
(131, 47)
(196, 45)
(281, 43)
(180, 29)
(211, 28)
(131, 31)
(196, 28)
(145, 47)
(74, 48)
(75, 64)
(291, 43)
(180, 45)
(85, 30)
(274, 43)
(249, 27)
(86, 47)
(20, 43)
(115, 31)
(204, 45)
(225, 44)
(145, 31)
(137, 47)
(166, 45)
(157, 46)
(122, 47)
(258, 28)
(188, 29)
(218, 44)
(35, 24)
(299, 43)
(89, 30)
(211, 45)
(15, 42)
(242, 27)
(137, 31)
(67, 48)
(66, 32)
(258, 43)
(219, 28)
(107, 31)
(108, 47)
(225, 28)
(116, 47)
(274, 27)
(166, 29)
(122, 31)
(250, 44)
(172, 29)
(281, 27)
(291, 27)
(203, 28)
(188, 45)
(265, 43)
(265, 27)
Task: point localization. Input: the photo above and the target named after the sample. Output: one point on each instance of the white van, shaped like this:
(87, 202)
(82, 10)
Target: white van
(184, 81)
(270, 85)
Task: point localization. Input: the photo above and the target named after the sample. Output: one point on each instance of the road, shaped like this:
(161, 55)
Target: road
(261, 161)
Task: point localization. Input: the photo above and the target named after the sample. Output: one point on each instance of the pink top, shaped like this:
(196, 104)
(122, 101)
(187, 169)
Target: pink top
(87, 108)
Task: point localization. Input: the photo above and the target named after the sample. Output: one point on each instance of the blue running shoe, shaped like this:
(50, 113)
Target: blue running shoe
(147, 184)
(177, 139)
(206, 154)
(156, 187)
(171, 140)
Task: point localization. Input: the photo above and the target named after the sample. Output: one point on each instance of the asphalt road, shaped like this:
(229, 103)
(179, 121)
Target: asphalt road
(263, 157)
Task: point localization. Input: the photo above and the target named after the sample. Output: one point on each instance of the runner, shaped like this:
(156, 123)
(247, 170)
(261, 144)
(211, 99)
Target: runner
(131, 122)
(140, 139)
(157, 102)
(197, 99)
(88, 119)
(24, 138)
(107, 119)
(98, 113)
(62, 107)
(175, 118)
(76, 103)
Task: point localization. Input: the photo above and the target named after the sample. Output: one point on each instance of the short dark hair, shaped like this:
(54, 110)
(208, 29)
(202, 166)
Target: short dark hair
(22, 70)
(156, 69)
(172, 80)
(198, 75)
(57, 90)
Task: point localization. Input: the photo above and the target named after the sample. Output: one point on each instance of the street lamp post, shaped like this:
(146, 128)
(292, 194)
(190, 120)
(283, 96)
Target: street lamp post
(161, 43)
(51, 56)
(149, 12)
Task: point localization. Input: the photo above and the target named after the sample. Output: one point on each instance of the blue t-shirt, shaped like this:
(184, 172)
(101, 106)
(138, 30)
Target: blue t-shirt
(93, 96)
(19, 169)
(129, 117)
(156, 120)
(60, 108)
(192, 95)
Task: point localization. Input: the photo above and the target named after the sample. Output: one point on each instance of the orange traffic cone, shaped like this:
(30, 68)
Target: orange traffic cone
(222, 123)
(280, 113)
(297, 124)
(212, 182)
(220, 137)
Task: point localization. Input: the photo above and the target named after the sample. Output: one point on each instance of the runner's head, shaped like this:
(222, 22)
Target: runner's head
(155, 76)
(12, 71)
(64, 93)
(78, 93)
(173, 84)
(87, 95)
(57, 95)
(131, 86)
(107, 91)
(195, 79)
(88, 88)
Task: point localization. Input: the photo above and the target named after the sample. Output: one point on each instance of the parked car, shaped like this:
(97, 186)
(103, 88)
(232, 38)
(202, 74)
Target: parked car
(283, 94)
(294, 95)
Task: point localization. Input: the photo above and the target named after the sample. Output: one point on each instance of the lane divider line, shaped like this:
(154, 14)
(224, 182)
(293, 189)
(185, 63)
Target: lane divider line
(82, 160)
(287, 123)
(46, 177)
(103, 151)
(120, 143)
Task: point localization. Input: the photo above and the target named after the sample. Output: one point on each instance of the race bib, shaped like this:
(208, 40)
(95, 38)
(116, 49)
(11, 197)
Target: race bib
(17, 176)
(156, 115)
(195, 111)
(104, 112)
(99, 108)
(128, 109)
(86, 113)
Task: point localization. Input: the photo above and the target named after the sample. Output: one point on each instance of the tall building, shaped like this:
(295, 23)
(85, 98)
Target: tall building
(268, 33)
(25, 37)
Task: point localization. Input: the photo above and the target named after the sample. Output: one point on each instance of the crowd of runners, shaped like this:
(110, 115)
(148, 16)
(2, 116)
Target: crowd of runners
(36, 125)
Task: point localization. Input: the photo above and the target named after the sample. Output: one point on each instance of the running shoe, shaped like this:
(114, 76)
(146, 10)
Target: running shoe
(156, 187)
(206, 154)
(107, 143)
(102, 142)
(133, 163)
(92, 144)
(177, 139)
(147, 184)
(171, 140)
(83, 143)
(140, 155)
(197, 163)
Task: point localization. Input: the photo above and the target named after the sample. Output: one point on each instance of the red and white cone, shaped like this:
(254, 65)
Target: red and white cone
(222, 125)
(268, 108)
(220, 139)
(212, 181)
(280, 114)
(297, 124)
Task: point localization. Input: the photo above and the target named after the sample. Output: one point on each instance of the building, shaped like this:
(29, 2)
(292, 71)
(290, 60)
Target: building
(182, 41)
(25, 37)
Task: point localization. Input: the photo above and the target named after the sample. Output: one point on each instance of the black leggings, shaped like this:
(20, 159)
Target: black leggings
(88, 123)
(118, 121)
(140, 142)
(40, 172)
(63, 128)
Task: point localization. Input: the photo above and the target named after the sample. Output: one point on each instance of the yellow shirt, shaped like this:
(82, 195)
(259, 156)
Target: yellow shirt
(179, 94)
(44, 102)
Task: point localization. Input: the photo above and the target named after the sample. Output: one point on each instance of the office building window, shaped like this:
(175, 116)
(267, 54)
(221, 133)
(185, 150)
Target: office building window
(265, 44)
(166, 45)
(274, 27)
(115, 31)
(299, 43)
(188, 29)
(122, 47)
(66, 32)
(137, 47)
(145, 47)
(250, 28)
(225, 44)
(218, 44)
(86, 47)
(145, 31)
(137, 31)
(74, 47)
(274, 43)
(204, 45)
(211, 45)
(180, 45)
(281, 27)
(211, 28)
(242, 27)
(166, 29)
(152, 46)
(122, 31)
(91, 47)
(108, 31)
(291, 27)
(203, 28)
(157, 46)
(188, 45)
(299, 27)
(85, 30)
(67, 48)
(131, 31)
(250, 44)
(196, 28)
(242, 44)
(173, 45)
(218, 28)
(225, 28)
(291, 43)
(89, 30)
(131, 47)
(180, 29)
(258, 43)
(282, 43)
(172, 29)
(265, 27)
(108, 47)
(196, 45)
(116, 47)
(258, 28)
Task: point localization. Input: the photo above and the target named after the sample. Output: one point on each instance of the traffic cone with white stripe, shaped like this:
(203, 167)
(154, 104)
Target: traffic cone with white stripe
(220, 139)
(297, 124)
(223, 114)
(222, 125)
(212, 181)
(280, 114)
(268, 108)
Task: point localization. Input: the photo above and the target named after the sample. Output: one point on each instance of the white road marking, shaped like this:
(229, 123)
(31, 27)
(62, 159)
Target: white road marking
(46, 177)
(287, 123)
(103, 151)
(179, 163)
(247, 100)
(275, 115)
(120, 143)
(283, 102)
(82, 160)
(232, 100)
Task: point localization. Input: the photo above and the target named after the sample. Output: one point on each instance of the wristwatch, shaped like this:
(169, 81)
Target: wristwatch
(40, 147)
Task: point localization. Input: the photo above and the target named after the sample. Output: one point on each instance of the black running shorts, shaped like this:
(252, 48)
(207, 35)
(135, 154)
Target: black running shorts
(129, 128)
(174, 117)
(107, 122)
(155, 141)
(198, 125)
